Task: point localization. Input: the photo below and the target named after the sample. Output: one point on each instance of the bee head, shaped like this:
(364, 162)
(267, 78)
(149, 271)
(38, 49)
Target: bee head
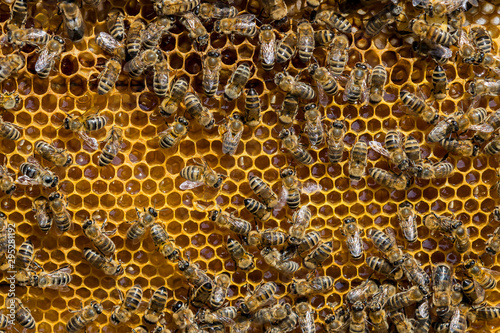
(66, 123)
(278, 77)
(281, 21)
(69, 160)
(358, 306)
(361, 65)
(213, 53)
(469, 263)
(183, 121)
(287, 172)
(475, 150)
(406, 204)
(87, 223)
(338, 124)
(313, 68)
(152, 212)
(183, 265)
(213, 216)
(284, 133)
(55, 195)
(490, 250)
(349, 219)
(310, 106)
(177, 306)
(119, 270)
(220, 179)
(11, 189)
(329, 319)
(97, 307)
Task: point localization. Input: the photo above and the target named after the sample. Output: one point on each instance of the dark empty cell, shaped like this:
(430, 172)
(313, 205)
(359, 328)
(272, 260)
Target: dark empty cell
(30, 63)
(389, 59)
(139, 118)
(354, 58)
(245, 51)
(256, 84)
(167, 43)
(129, 102)
(176, 61)
(24, 85)
(193, 64)
(217, 41)
(418, 72)
(229, 56)
(361, 41)
(400, 72)
(456, 90)
(148, 101)
(49, 103)
(59, 85)
(40, 86)
(132, 8)
(77, 85)
(137, 85)
(86, 59)
(69, 65)
(184, 43)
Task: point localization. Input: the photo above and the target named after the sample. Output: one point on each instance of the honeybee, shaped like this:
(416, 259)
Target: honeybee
(9, 65)
(20, 37)
(305, 40)
(202, 115)
(8, 100)
(386, 16)
(291, 187)
(156, 305)
(201, 295)
(481, 38)
(211, 72)
(269, 237)
(164, 243)
(193, 274)
(403, 325)
(263, 191)
(24, 256)
(358, 161)
(184, 318)
(337, 54)
(200, 174)
(405, 298)
(290, 142)
(377, 304)
(228, 220)
(219, 293)
(390, 179)
(412, 149)
(289, 84)
(387, 245)
(35, 174)
(363, 292)
(289, 109)
(116, 24)
(418, 107)
(243, 259)
(216, 11)
(258, 297)
(460, 147)
(441, 8)
(356, 89)
(443, 223)
(422, 323)
(110, 45)
(58, 157)
(316, 258)
(123, 312)
(86, 315)
(473, 291)
(89, 121)
(134, 38)
(408, 221)
(196, 30)
(145, 59)
(277, 11)
(237, 82)
(73, 19)
(486, 312)
(333, 21)
(19, 13)
(338, 321)
(352, 232)
(174, 7)
(377, 83)
(272, 315)
(173, 135)
(440, 54)
(311, 285)
(160, 77)
(23, 314)
(415, 274)
(483, 276)
(107, 265)
(441, 285)
(385, 267)
(432, 32)
(232, 135)
(306, 317)
(171, 102)
(58, 279)
(301, 220)
(313, 126)
(285, 48)
(393, 149)
(252, 108)
(48, 53)
(324, 37)
(267, 40)
(243, 25)
(493, 243)
(439, 82)
(99, 237)
(358, 318)
(7, 184)
(324, 78)
(425, 170)
(309, 241)
(109, 75)
(335, 141)
(224, 315)
(143, 222)
(41, 208)
(113, 141)
(258, 209)
(60, 214)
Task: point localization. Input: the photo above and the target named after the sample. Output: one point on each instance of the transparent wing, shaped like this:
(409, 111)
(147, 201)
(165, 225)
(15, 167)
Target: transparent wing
(486, 128)
(310, 187)
(34, 161)
(407, 224)
(282, 198)
(188, 185)
(35, 35)
(440, 51)
(377, 146)
(354, 244)
(25, 180)
(91, 142)
(44, 60)
(268, 51)
(307, 322)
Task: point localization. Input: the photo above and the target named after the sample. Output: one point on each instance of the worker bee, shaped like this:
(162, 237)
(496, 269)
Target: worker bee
(473, 291)
(194, 107)
(73, 19)
(352, 232)
(232, 135)
(196, 30)
(269, 237)
(201, 295)
(418, 107)
(458, 321)
(405, 298)
(324, 78)
(285, 48)
(211, 71)
(289, 84)
(290, 142)
(425, 170)
(306, 316)
(441, 285)
(224, 315)
(216, 11)
(258, 297)
(252, 108)
(493, 243)
(193, 274)
(108, 77)
(145, 59)
(408, 221)
(309, 241)
(8, 100)
(174, 133)
(393, 149)
(23, 314)
(243, 259)
(9, 65)
(337, 54)
(399, 319)
(363, 292)
(305, 40)
(358, 318)
(291, 187)
(386, 16)
(134, 38)
(160, 77)
(60, 214)
(86, 315)
(35, 174)
(311, 285)
(184, 318)
(165, 244)
(58, 157)
(422, 321)
(442, 223)
(485, 277)
(439, 82)
(113, 141)
(171, 102)
(156, 305)
(481, 38)
(440, 54)
(32, 36)
(493, 147)
(377, 83)
(442, 8)
(228, 220)
(267, 40)
(432, 32)
(316, 258)
(338, 321)
(333, 21)
(107, 265)
(41, 208)
(116, 24)
(378, 301)
(237, 82)
(200, 174)
(277, 11)
(289, 109)
(144, 221)
(378, 317)
(19, 13)
(57, 279)
(356, 89)
(460, 147)
(486, 312)
(263, 191)
(89, 121)
(110, 45)
(258, 209)
(24, 256)
(7, 184)
(324, 37)
(313, 127)
(174, 7)
(48, 53)
(99, 237)
(415, 274)
(243, 25)
(385, 267)
(301, 220)
(123, 312)
(357, 163)
(387, 245)
(335, 141)
(219, 293)
(390, 179)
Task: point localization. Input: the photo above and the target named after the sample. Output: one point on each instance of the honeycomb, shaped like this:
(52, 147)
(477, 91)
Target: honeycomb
(144, 175)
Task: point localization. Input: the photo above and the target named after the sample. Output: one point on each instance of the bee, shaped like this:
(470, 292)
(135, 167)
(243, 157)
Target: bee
(243, 25)
(174, 7)
(290, 142)
(291, 187)
(481, 38)
(458, 321)
(20, 37)
(237, 82)
(263, 191)
(356, 88)
(403, 325)
(59, 278)
(60, 214)
(385, 267)
(229, 221)
(196, 30)
(436, 8)
(269, 237)
(473, 291)
(267, 40)
(217, 11)
(113, 141)
(224, 315)
(211, 72)
(258, 297)
(390, 179)
(8, 100)
(415, 274)
(357, 163)
(202, 294)
(377, 304)
(107, 265)
(108, 77)
(9, 65)
(408, 221)
(313, 126)
(333, 21)
(123, 312)
(338, 321)
(200, 174)
(194, 107)
(219, 293)
(314, 259)
(393, 150)
(405, 298)
(173, 135)
(305, 40)
(73, 19)
(285, 48)
(418, 107)
(99, 237)
(460, 147)
(439, 82)
(110, 45)
(431, 32)
(324, 37)
(144, 221)
(306, 317)
(412, 150)
(366, 290)
(19, 13)
(243, 259)
(456, 294)
(352, 232)
(184, 318)
(48, 53)
(252, 108)
(378, 79)
(312, 285)
(441, 285)
(232, 135)
(482, 275)
(171, 102)
(337, 54)
(164, 243)
(422, 323)
(277, 11)
(289, 84)
(486, 312)
(58, 157)
(324, 78)
(335, 141)
(310, 240)
(272, 315)
(440, 222)
(160, 77)
(387, 245)
(440, 54)
(134, 38)
(258, 209)
(145, 59)
(89, 121)
(41, 208)
(289, 109)
(358, 318)
(386, 16)
(24, 256)
(35, 174)
(301, 220)
(7, 184)
(116, 24)
(23, 314)
(493, 243)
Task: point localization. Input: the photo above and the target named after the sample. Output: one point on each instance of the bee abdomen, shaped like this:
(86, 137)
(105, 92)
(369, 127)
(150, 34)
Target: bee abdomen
(293, 198)
(95, 124)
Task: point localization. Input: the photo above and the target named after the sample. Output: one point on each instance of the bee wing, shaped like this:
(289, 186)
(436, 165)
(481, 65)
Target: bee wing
(493, 273)
(377, 146)
(310, 187)
(485, 128)
(354, 243)
(268, 51)
(91, 142)
(44, 60)
(34, 161)
(406, 225)
(416, 2)
(307, 320)
(282, 198)
(188, 185)
(440, 51)
(36, 35)
(25, 180)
